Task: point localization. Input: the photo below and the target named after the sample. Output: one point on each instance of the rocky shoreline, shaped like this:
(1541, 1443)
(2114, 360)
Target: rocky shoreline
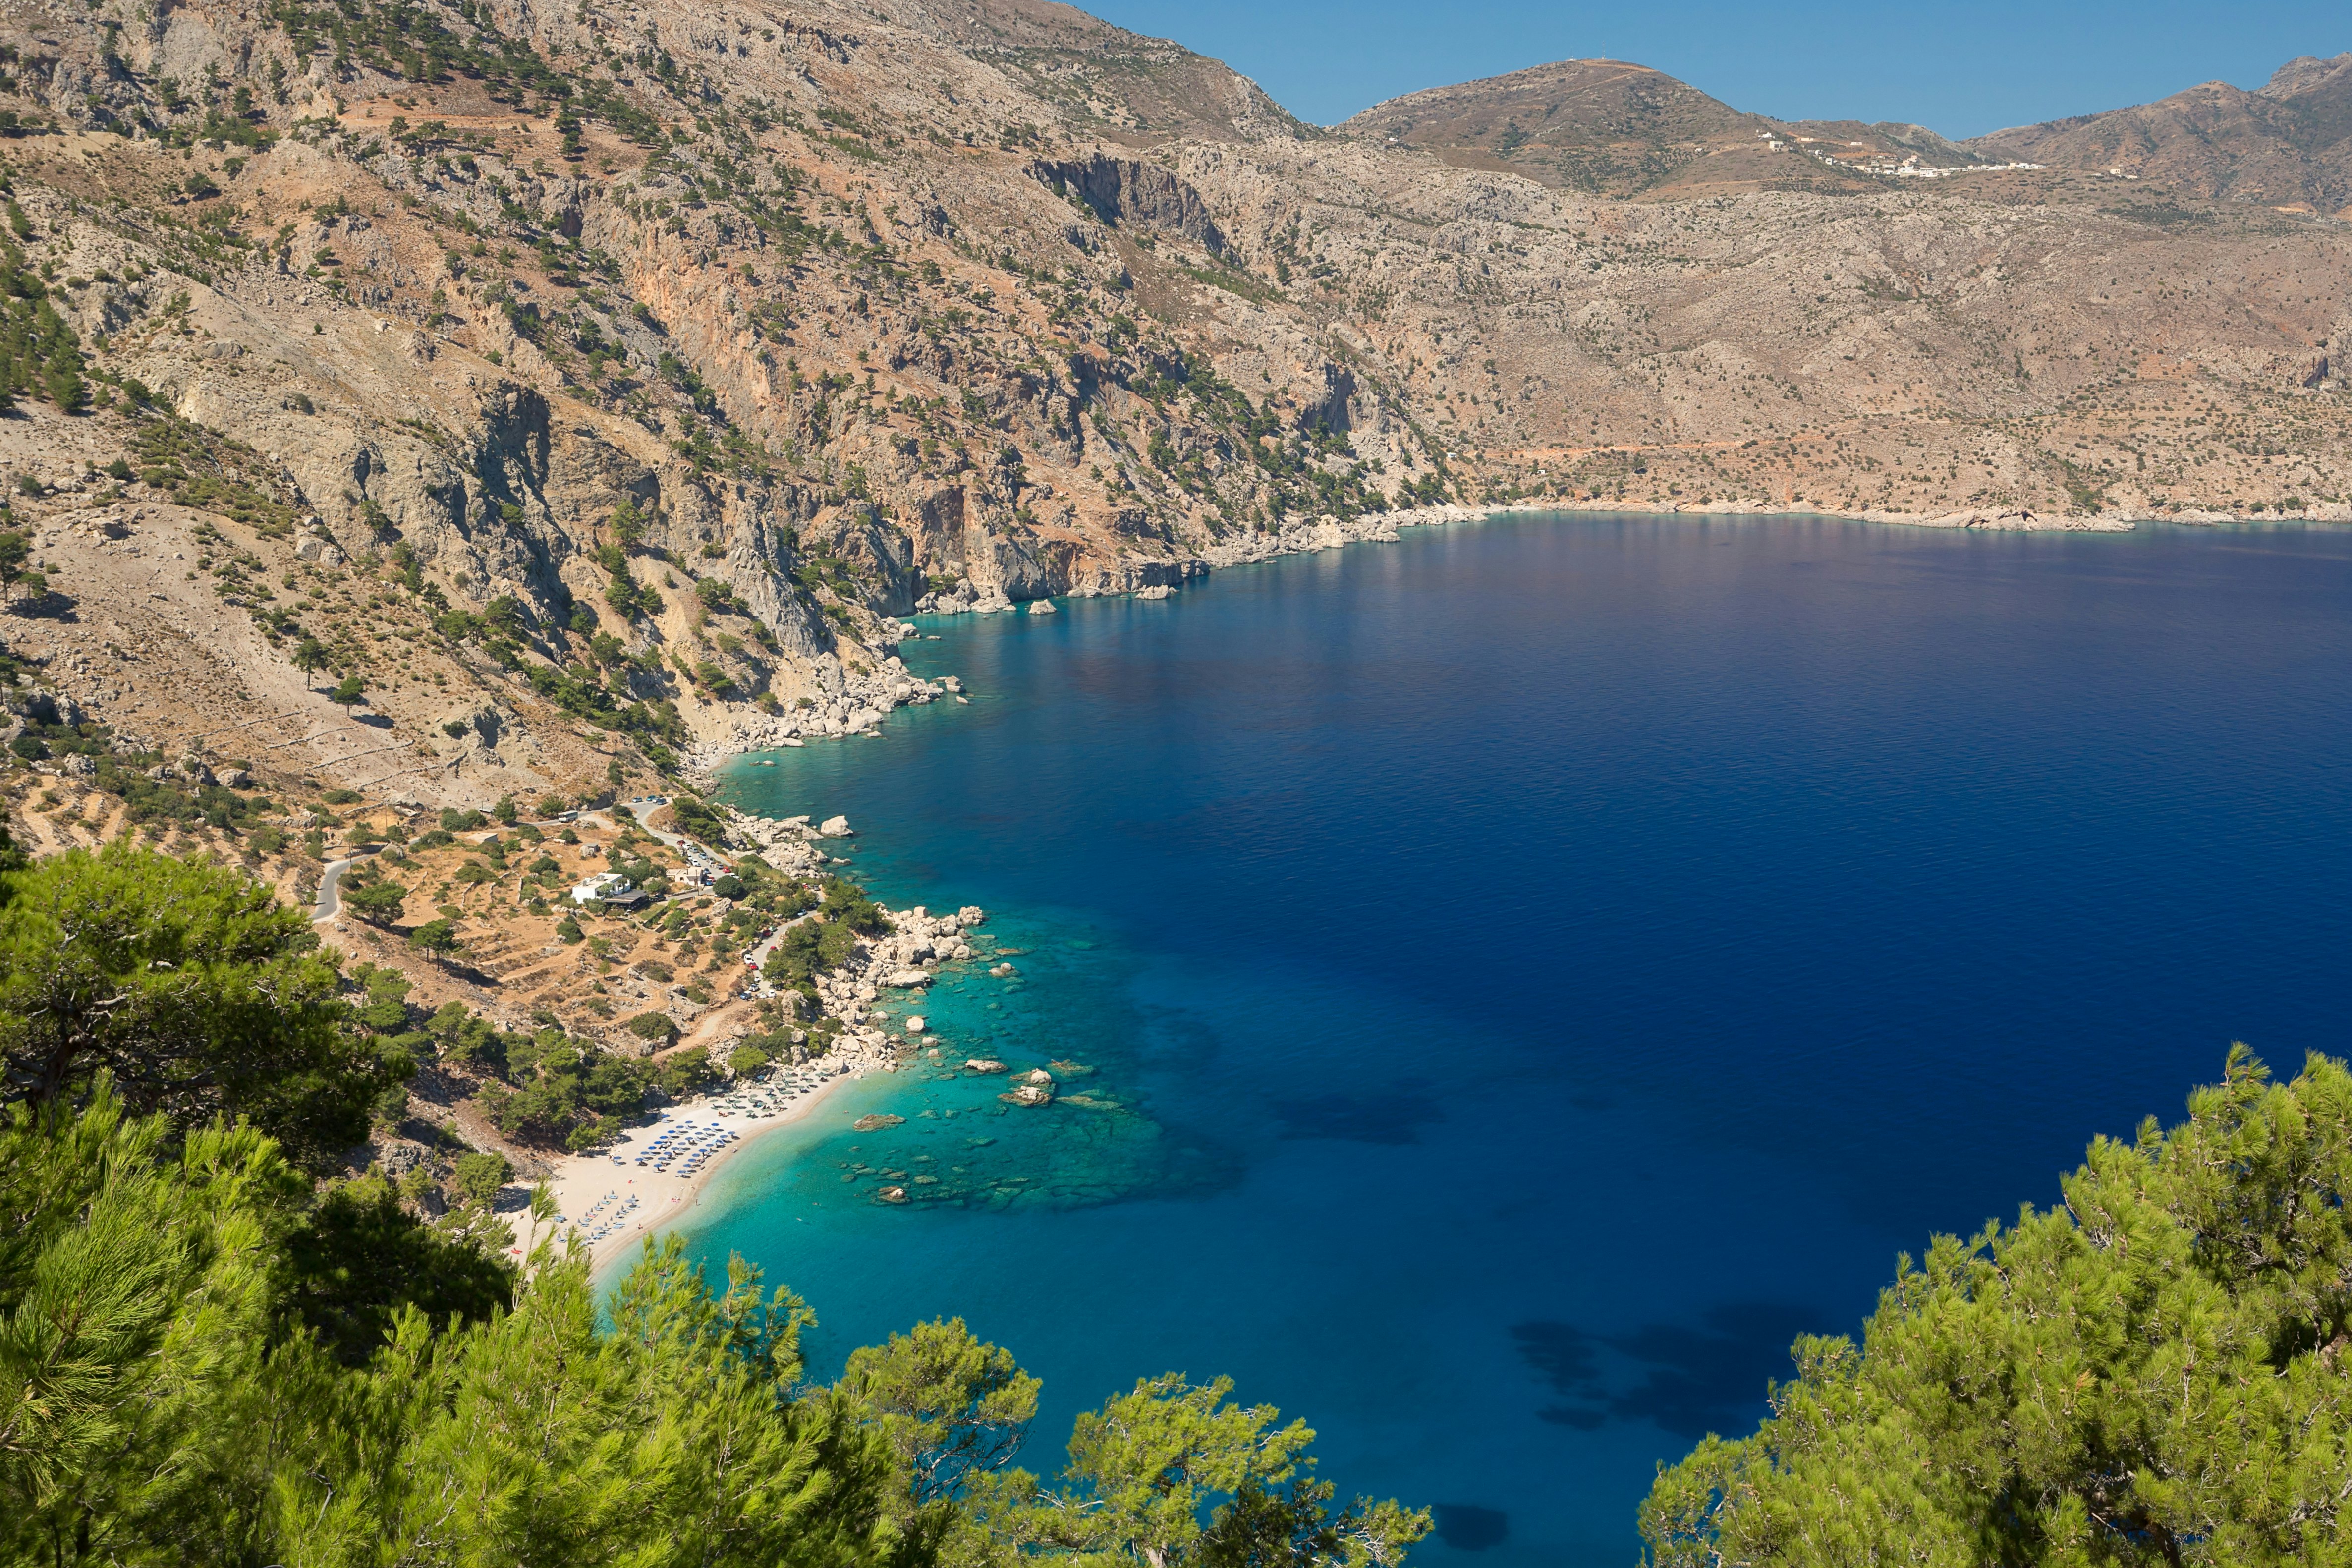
(918, 947)
(865, 702)
(1332, 532)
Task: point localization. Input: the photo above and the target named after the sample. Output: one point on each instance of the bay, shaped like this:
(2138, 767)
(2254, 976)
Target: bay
(1511, 982)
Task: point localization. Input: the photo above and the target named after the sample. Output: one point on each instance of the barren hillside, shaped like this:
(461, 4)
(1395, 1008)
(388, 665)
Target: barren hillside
(583, 393)
(2288, 142)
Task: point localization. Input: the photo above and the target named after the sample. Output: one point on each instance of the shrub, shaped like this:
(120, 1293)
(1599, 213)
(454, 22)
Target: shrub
(684, 1073)
(654, 1027)
(481, 1175)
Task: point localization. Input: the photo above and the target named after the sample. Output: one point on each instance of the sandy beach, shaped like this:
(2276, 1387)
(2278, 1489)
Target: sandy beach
(614, 1203)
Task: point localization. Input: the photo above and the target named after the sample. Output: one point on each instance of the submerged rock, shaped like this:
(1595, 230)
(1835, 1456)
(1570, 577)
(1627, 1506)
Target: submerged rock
(983, 1065)
(875, 1123)
(1031, 1089)
(890, 1195)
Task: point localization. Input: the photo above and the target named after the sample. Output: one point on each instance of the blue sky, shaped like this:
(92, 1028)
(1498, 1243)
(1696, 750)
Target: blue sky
(1959, 69)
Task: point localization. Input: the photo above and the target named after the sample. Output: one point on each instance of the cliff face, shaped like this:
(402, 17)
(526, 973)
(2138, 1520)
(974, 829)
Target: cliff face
(602, 386)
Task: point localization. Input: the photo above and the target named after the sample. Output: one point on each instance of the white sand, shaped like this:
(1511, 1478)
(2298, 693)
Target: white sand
(581, 1182)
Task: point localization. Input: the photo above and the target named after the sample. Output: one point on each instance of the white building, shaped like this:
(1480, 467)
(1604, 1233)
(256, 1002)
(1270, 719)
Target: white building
(607, 888)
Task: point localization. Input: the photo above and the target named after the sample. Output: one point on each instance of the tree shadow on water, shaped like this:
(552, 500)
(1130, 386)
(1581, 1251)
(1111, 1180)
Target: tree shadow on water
(1466, 1527)
(1687, 1381)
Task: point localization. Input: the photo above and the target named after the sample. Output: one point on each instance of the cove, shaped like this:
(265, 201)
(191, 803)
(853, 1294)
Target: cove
(1512, 981)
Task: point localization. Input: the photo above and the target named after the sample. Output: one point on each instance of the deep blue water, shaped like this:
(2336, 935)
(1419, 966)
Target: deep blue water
(1532, 971)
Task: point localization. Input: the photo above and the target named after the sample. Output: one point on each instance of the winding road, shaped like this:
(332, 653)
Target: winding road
(331, 901)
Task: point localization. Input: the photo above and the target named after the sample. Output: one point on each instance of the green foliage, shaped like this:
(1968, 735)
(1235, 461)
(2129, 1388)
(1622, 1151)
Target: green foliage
(464, 1036)
(1144, 1473)
(206, 1357)
(694, 819)
(806, 951)
(359, 1259)
(438, 938)
(685, 1072)
(481, 1175)
(40, 356)
(163, 1405)
(168, 800)
(378, 903)
(949, 1405)
(2149, 1373)
(349, 692)
(630, 597)
(116, 1254)
(202, 468)
(571, 1093)
(654, 1027)
(192, 988)
(144, 799)
(846, 903)
(812, 947)
(16, 574)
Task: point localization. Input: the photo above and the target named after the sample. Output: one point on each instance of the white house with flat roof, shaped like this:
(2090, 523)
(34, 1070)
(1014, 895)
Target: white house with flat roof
(607, 888)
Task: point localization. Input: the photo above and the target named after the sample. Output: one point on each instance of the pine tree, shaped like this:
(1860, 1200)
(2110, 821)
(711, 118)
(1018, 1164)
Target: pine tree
(2151, 1374)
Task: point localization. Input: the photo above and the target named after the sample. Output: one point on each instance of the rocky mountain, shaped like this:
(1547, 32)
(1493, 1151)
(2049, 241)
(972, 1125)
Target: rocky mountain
(2288, 142)
(598, 389)
(1614, 128)
(1125, 88)
(1606, 126)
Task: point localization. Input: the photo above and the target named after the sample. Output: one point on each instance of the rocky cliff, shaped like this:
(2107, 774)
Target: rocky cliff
(593, 389)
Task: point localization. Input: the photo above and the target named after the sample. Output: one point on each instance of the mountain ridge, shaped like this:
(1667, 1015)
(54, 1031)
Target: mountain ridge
(600, 388)
(2288, 141)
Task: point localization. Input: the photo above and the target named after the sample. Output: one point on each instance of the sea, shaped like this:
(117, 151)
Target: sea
(1506, 984)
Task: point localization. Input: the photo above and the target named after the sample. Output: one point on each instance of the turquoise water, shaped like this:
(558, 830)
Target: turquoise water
(1525, 975)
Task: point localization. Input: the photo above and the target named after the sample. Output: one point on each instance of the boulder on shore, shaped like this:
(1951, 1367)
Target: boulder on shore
(907, 977)
(836, 827)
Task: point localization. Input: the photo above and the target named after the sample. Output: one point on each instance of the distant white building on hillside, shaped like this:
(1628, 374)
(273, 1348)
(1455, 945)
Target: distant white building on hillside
(608, 888)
